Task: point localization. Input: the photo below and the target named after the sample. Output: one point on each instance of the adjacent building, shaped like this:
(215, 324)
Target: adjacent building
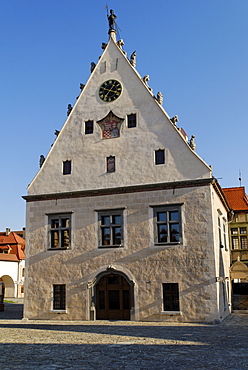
(12, 263)
(238, 233)
(124, 219)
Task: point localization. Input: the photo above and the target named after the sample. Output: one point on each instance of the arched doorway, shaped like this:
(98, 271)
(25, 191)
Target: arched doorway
(9, 286)
(113, 297)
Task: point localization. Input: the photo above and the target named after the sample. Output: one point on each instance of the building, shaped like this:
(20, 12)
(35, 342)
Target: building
(238, 233)
(123, 217)
(12, 263)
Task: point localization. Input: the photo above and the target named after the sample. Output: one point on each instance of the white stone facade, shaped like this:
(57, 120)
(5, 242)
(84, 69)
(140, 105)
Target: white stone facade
(137, 190)
(12, 274)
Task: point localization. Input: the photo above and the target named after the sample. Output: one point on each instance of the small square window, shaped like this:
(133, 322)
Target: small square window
(110, 164)
(171, 297)
(159, 156)
(59, 297)
(131, 120)
(66, 167)
(88, 127)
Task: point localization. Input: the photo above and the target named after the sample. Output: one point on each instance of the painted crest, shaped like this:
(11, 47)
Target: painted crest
(110, 126)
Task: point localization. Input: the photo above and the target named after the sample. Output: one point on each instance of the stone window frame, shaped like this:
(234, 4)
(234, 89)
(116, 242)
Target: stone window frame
(159, 156)
(89, 127)
(132, 120)
(59, 298)
(110, 164)
(100, 227)
(67, 166)
(61, 229)
(171, 299)
(167, 208)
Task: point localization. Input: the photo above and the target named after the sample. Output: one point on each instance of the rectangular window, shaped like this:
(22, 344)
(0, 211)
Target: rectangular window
(110, 164)
(159, 156)
(225, 235)
(66, 167)
(171, 297)
(131, 120)
(167, 224)
(239, 238)
(88, 128)
(243, 242)
(235, 242)
(59, 297)
(59, 231)
(110, 229)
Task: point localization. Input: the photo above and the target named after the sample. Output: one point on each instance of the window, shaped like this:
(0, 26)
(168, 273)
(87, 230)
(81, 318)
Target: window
(219, 230)
(171, 297)
(59, 297)
(88, 129)
(167, 220)
(239, 238)
(110, 229)
(159, 156)
(225, 235)
(59, 229)
(110, 164)
(66, 167)
(131, 120)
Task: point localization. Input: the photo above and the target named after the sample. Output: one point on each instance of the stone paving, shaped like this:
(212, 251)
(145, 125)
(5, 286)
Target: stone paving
(120, 345)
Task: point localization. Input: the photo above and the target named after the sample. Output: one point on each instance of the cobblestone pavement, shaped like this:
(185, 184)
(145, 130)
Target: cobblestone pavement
(120, 345)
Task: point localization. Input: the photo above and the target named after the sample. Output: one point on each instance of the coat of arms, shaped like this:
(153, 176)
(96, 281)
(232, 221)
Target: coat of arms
(110, 126)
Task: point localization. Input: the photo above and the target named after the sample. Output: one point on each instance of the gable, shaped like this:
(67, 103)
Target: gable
(133, 148)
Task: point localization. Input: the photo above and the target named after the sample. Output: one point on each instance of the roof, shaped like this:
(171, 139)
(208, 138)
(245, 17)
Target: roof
(14, 245)
(237, 198)
(11, 238)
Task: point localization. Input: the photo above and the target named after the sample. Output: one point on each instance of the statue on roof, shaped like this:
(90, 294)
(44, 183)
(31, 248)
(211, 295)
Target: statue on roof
(111, 19)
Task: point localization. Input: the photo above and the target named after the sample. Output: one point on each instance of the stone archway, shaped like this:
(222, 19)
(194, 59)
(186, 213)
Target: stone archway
(113, 298)
(112, 295)
(239, 277)
(9, 286)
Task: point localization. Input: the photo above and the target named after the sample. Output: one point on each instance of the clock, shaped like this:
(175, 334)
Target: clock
(110, 90)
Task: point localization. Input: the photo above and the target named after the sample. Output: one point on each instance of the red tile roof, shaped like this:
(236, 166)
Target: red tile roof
(14, 244)
(237, 198)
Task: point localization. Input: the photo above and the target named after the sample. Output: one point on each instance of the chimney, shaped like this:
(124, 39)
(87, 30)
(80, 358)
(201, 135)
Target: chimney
(24, 232)
(7, 231)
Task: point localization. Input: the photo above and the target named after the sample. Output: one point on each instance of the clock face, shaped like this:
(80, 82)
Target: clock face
(110, 90)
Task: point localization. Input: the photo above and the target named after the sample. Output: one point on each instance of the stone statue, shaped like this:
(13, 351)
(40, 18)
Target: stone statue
(160, 98)
(92, 66)
(133, 59)
(69, 109)
(192, 143)
(111, 19)
(120, 43)
(56, 133)
(145, 79)
(174, 119)
(42, 160)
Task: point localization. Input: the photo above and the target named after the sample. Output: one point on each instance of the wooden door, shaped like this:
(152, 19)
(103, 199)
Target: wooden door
(113, 298)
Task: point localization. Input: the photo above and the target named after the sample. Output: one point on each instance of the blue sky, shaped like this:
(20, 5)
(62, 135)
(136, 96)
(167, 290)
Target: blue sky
(195, 52)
